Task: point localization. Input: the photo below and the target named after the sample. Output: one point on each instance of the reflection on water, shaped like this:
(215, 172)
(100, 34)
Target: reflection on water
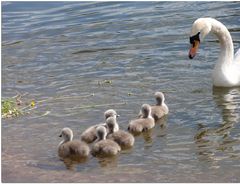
(71, 163)
(217, 143)
(162, 123)
(149, 136)
(108, 161)
(60, 53)
(228, 100)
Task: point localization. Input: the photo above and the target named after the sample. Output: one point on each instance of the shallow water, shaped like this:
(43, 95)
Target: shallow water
(122, 53)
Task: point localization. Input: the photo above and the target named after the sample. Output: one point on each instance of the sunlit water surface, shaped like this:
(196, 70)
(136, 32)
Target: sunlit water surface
(122, 53)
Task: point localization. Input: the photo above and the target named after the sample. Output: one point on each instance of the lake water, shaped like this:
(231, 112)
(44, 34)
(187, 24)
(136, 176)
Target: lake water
(122, 52)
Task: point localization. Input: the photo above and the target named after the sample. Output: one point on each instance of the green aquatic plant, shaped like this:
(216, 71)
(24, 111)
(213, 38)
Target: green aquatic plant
(106, 82)
(14, 106)
(10, 108)
(130, 94)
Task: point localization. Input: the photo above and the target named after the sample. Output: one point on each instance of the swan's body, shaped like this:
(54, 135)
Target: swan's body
(71, 148)
(226, 72)
(160, 109)
(103, 146)
(90, 135)
(123, 138)
(144, 123)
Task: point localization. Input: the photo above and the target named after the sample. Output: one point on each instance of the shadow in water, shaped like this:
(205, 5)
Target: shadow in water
(160, 130)
(161, 126)
(53, 163)
(221, 142)
(72, 162)
(111, 161)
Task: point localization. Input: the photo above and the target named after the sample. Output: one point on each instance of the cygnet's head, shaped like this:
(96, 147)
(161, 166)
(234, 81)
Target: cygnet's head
(110, 113)
(101, 132)
(146, 110)
(111, 123)
(200, 28)
(159, 98)
(67, 134)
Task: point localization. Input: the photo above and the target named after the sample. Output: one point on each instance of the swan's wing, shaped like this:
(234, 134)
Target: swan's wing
(236, 66)
(237, 56)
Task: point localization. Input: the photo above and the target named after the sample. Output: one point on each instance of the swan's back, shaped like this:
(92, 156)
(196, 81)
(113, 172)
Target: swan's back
(105, 147)
(147, 123)
(73, 148)
(160, 109)
(144, 123)
(135, 126)
(140, 125)
(89, 135)
(158, 112)
(123, 138)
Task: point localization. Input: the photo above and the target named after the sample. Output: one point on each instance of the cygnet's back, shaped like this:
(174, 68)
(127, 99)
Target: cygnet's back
(123, 138)
(71, 148)
(104, 147)
(160, 109)
(90, 135)
(144, 123)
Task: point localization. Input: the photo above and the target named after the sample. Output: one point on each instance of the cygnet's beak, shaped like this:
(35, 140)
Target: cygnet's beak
(117, 115)
(60, 135)
(193, 49)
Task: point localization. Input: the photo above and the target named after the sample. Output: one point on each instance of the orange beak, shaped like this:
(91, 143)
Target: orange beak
(193, 49)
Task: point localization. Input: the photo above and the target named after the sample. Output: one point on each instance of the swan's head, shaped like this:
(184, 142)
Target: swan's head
(67, 134)
(159, 98)
(110, 113)
(101, 132)
(200, 28)
(146, 110)
(111, 123)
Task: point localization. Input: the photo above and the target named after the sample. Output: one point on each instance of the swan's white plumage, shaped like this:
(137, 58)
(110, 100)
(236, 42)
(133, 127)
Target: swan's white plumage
(226, 72)
(237, 56)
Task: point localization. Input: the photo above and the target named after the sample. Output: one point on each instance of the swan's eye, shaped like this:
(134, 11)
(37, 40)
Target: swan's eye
(195, 37)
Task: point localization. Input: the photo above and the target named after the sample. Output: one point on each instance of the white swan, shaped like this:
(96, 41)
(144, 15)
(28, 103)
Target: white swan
(226, 72)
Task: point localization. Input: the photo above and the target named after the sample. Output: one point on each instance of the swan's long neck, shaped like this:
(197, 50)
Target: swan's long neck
(227, 50)
(149, 114)
(61, 143)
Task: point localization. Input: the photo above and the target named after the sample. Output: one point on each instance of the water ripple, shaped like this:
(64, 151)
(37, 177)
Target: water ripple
(68, 49)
